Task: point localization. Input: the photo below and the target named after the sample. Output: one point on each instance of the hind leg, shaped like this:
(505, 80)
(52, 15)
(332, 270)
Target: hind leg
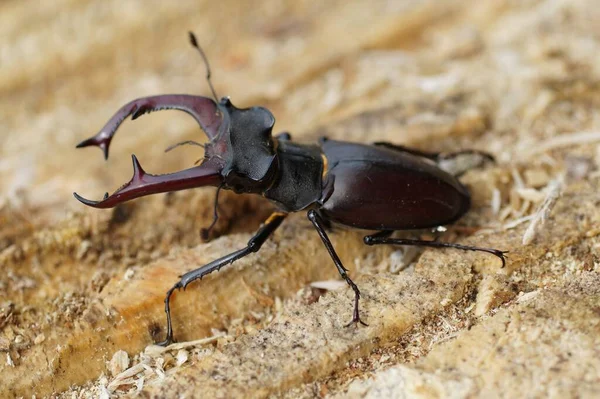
(434, 156)
(383, 237)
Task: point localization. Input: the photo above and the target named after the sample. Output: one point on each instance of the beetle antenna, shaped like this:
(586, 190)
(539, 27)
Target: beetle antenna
(194, 43)
(171, 147)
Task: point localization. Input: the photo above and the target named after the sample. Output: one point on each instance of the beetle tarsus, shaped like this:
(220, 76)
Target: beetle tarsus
(355, 313)
(500, 254)
(169, 339)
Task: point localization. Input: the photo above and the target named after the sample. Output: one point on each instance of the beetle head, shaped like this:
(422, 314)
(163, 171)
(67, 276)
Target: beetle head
(240, 154)
(247, 147)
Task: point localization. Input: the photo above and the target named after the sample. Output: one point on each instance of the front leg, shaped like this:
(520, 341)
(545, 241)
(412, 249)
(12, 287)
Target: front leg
(319, 224)
(254, 245)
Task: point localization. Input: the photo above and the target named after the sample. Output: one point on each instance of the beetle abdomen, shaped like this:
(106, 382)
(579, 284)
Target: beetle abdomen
(380, 189)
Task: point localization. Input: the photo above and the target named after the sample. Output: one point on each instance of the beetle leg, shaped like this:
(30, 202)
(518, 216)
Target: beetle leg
(319, 224)
(254, 245)
(434, 156)
(203, 109)
(446, 161)
(376, 239)
(485, 155)
(205, 232)
(425, 154)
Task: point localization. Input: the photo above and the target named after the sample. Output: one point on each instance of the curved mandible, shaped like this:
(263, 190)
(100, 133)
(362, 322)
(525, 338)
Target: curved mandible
(142, 183)
(203, 109)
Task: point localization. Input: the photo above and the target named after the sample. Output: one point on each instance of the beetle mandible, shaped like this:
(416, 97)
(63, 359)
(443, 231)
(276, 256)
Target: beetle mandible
(380, 187)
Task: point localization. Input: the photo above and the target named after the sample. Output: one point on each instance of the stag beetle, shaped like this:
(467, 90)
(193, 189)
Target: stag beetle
(381, 187)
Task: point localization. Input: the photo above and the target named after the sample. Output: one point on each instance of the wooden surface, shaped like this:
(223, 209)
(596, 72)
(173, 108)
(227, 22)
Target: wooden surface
(80, 286)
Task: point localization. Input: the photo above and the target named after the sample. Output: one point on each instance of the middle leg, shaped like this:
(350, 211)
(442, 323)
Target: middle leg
(319, 224)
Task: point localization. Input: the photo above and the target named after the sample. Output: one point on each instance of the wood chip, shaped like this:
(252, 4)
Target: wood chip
(553, 193)
(119, 363)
